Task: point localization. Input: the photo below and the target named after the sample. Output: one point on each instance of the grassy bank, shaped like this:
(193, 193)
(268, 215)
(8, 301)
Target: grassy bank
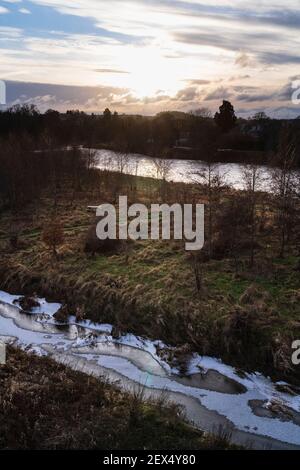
(44, 405)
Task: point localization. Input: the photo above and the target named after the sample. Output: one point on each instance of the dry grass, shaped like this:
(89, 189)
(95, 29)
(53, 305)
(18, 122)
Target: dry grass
(149, 287)
(44, 405)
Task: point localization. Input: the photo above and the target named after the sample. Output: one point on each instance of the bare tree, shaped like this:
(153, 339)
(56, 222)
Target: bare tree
(285, 186)
(198, 272)
(252, 179)
(163, 167)
(212, 181)
(91, 159)
(122, 162)
(53, 235)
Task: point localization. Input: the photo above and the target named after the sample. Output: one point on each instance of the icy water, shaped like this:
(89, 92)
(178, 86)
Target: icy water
(212, 393)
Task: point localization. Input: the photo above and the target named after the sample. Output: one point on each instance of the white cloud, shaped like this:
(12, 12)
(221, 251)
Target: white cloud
(3, 10)
(25, 11)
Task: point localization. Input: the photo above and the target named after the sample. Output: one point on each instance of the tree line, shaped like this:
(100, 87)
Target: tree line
(157, 136)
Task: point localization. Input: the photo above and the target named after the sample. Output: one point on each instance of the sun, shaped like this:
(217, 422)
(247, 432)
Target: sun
(149, 72)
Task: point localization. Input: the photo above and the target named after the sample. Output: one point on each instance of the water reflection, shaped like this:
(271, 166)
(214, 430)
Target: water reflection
(178, 170)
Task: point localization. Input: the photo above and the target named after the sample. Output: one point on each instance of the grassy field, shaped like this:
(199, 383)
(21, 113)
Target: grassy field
(249, 317)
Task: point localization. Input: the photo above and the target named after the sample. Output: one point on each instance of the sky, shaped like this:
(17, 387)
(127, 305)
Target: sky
(147, 56)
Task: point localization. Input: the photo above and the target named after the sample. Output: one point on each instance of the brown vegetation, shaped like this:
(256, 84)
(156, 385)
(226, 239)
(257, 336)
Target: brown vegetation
(44, 405)
(154, 288)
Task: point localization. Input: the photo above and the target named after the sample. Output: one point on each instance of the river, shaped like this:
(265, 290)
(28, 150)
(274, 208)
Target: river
(186, 171)
(212, 393)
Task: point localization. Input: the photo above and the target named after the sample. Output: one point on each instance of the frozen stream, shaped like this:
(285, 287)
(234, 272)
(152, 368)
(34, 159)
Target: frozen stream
(212, 393)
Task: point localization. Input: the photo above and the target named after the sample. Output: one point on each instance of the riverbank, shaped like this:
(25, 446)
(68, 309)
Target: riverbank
(215, 397)
(70, 410)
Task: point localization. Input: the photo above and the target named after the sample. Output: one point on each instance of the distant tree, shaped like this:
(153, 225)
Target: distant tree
(164, 133)
(53, 235)
(204, 113)
(107, 114)
(226, 118)
(260, 116)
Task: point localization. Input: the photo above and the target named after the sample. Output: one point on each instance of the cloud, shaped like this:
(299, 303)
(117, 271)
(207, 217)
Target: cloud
(110, 71)
(220, 93)
(135, 47)
(243, 60)
(279, 58)
(285, 93)
(252, 98)
(25, 11)
(235, 78)
(8, 33)
(187, 94)
(61, 97)
(229, 40)
(3, 10)
(197, 81)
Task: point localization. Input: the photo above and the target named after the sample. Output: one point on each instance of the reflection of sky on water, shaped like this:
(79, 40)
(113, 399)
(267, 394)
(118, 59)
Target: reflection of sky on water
(179, 170)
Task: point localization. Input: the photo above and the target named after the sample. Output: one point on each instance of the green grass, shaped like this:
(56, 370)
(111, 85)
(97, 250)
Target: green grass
(157, 275)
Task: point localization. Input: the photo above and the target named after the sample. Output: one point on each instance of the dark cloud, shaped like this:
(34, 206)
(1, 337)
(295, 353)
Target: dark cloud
(245, 44)
(250, 98)
(282, 94)
(220, 93)
(65, 92)
(186, 94)
(279, 58)
(229, 40)
(285, 93)
(285, 17)
(59, 96)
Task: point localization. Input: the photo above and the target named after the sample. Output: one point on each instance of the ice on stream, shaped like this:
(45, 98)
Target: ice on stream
(136, 359)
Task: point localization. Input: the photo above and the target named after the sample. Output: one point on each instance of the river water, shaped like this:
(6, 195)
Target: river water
(211, 393)
(186, 171)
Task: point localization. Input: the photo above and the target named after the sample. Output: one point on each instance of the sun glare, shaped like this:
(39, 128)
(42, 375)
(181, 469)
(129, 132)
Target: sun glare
(149, 72)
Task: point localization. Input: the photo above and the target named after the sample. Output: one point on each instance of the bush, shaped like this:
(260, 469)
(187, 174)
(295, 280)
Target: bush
(94, 245)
